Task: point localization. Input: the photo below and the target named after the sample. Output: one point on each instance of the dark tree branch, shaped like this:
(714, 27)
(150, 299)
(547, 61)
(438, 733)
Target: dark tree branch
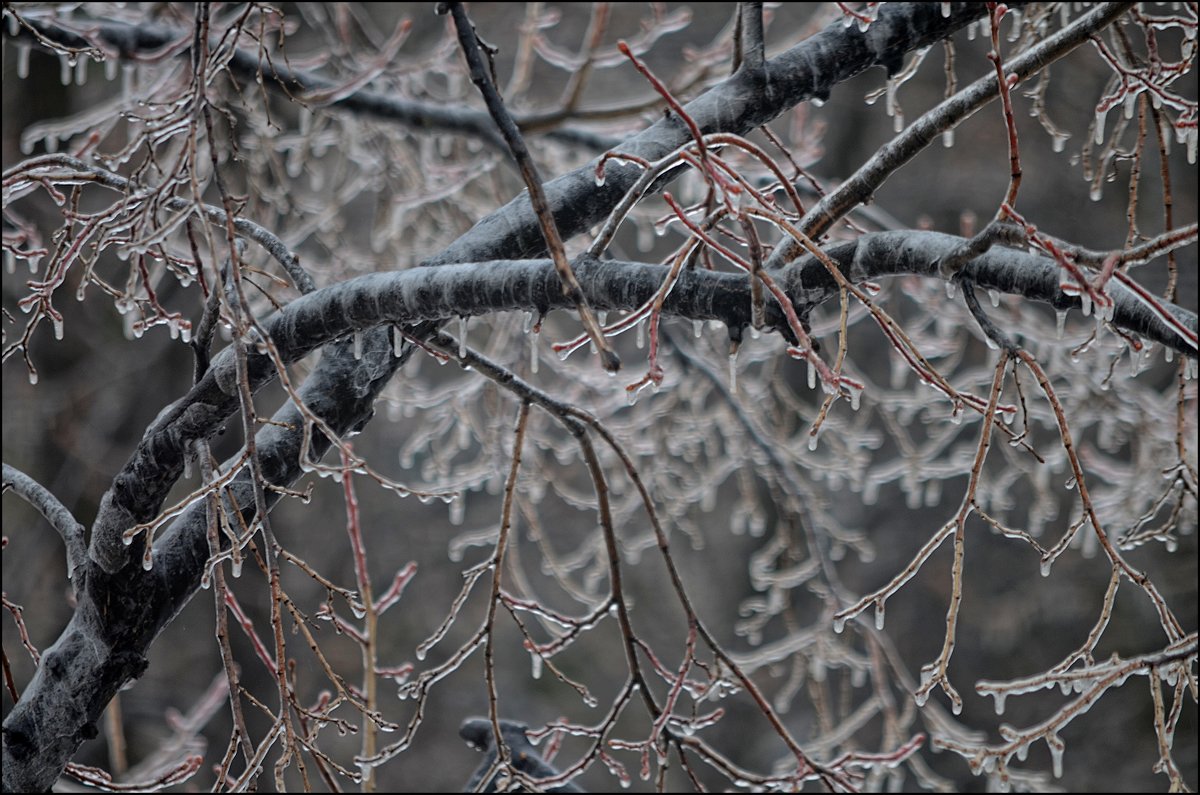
(55, 512)
(859, 188)
(104, 645)
(751, 42)
(740, 104)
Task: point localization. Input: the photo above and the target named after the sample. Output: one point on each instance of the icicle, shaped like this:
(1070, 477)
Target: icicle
(357, 345)
(948, 139)
(1056, 746)
(879, 614)
(1099, 137)
(733, 369)
(812, 372)
(1085, 303)
(65, 66)
(1060, 321)
(533, 353)
(81, 71)
(23, 61)
(995, 296)
(697, 328)
(1130, 104)
(397, 342)
(640, 339)
(855, 391)
(899, 371)
(462, 336)
(951, 290)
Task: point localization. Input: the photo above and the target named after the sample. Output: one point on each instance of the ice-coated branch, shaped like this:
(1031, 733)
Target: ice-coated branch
(118, 616)
(472, 289)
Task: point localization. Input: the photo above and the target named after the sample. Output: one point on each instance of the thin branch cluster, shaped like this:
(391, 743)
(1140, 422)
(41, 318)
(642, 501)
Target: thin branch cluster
(680, 416)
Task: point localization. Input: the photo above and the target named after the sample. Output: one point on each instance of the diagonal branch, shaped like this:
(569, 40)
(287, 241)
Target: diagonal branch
(469, 42)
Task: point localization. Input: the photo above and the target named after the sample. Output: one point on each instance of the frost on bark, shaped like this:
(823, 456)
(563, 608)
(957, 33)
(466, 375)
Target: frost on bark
(935, 351)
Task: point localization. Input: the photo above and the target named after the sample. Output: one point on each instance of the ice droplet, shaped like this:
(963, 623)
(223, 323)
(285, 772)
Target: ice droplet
(879, 614)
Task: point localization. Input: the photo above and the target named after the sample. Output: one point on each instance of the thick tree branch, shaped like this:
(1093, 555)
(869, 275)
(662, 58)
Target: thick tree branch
(104, 645)
(430, 294)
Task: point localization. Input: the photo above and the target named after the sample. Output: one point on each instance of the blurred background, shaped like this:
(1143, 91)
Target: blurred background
(355, 195)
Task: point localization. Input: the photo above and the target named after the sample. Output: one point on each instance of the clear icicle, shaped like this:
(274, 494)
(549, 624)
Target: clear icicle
(462, 336)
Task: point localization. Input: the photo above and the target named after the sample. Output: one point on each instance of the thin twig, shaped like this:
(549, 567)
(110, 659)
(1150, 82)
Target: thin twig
(533, 182)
